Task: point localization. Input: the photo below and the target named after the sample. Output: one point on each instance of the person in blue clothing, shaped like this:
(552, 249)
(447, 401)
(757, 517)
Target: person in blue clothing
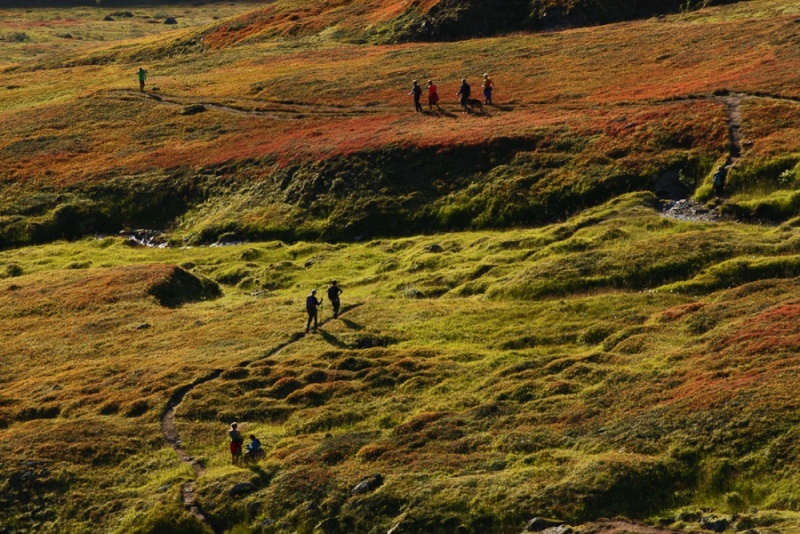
(464, 92)
(254, 445)
(312, 307)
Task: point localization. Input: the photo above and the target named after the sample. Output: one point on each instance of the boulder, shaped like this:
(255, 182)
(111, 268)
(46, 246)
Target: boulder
(367, 485)
(539, 524)
(170, 20)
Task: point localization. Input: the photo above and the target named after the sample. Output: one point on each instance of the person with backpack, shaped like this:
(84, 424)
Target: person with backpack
(312, 307)
(333, 296)
(433, 96)
(416, 90)
(464, 92)
(719, 181)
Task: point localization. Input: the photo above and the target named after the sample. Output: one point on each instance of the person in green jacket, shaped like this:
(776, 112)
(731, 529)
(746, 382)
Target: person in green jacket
(142, 77)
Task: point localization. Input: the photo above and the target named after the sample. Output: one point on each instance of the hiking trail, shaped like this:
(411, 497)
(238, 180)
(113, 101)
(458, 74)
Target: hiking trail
(170, 431)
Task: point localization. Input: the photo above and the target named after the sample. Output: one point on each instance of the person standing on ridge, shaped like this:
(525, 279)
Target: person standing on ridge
(416, 90)
(142, 77)
(312, 305)
(464, 92)
(236, 443)
(488, 87)
(333, 295)
(433, 96)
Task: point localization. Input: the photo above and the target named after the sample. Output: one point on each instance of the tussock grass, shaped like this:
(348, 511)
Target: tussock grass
(478, 411)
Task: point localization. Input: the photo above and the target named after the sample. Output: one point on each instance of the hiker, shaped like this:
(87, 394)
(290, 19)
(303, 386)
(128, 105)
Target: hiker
(416, 90)
(719, 181)
(311, 307)
(236, 443)
(142, 77)
(488, 87)
(333, 295)
(464, 92)
(254, 444)
(433, 96)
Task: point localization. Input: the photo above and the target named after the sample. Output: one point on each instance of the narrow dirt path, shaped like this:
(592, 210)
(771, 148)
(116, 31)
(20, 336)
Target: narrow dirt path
(170, 430)
(733, 105)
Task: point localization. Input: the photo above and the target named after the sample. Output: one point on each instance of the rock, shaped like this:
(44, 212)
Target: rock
(714, 525)
(561, 529)
(435, 249)
(539, 524)
(367, 485)
(108, 18)
(242, 488)
(143, 326)
(308, 264)
(170, 20)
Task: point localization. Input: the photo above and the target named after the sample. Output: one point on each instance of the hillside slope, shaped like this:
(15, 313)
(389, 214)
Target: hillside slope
(618, 364)
(307, 141)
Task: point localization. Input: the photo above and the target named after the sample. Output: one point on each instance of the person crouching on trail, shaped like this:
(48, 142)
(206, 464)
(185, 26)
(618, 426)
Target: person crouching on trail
(312, 305)
(416, 90)
(236, 443)
(333, 295)
(464, 92)
(254, 445)
(142, 77)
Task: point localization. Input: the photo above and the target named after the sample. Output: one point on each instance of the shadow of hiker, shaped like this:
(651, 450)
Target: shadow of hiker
(333, 340)
(352, 325)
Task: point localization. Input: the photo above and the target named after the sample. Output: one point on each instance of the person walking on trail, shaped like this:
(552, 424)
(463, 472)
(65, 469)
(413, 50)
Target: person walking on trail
(416, 90)
(488, 87)
(312, 305)
(142, 77)
(333, 295)
(433, 96)
(464, 92)
(719, 181)
(236, 443)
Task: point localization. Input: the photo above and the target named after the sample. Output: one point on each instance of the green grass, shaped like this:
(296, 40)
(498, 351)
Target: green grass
(525, 334)
(481, 408)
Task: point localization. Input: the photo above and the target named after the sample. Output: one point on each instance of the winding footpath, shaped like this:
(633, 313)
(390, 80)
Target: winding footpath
(170, 431)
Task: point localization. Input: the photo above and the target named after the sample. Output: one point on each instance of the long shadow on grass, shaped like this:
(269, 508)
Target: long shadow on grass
(333, 340)
(352, 325)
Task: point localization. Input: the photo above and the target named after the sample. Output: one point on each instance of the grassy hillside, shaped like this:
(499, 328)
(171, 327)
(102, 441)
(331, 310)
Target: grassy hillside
(617, 364)
(525, 334)
(305, 140)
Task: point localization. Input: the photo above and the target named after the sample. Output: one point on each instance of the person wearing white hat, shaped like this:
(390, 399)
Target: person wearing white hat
(312, 305)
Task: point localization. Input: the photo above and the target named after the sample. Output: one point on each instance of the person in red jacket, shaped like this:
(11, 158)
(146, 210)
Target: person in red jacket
(433, 96)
